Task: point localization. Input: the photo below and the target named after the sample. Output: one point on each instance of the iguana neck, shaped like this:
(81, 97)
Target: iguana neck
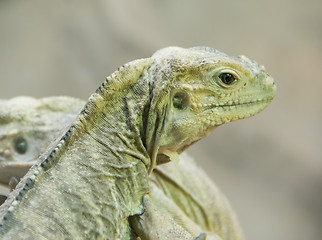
(95, 176)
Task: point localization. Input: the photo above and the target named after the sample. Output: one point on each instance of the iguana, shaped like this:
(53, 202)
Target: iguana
(27, 126)
(180, 190)
(96, 175)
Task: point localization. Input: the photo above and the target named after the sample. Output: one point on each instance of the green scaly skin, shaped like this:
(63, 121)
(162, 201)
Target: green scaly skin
(180, 190)
(151, 107)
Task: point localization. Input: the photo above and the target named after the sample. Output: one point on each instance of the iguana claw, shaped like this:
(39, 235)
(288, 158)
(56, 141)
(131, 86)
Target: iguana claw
(202, 236)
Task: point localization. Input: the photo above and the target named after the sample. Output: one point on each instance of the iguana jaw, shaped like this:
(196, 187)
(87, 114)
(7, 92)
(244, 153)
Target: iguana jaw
(231, 112)
(251, 103)
(217, 116)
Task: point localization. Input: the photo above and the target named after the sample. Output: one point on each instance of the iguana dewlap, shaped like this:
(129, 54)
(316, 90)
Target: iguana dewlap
(150, 107)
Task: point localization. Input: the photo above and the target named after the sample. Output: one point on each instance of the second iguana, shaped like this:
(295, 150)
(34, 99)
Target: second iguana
(150, 109)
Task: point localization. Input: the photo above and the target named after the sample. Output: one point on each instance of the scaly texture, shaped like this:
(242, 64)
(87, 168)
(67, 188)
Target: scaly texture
(179, 190)
(185, 186)
(151, 107)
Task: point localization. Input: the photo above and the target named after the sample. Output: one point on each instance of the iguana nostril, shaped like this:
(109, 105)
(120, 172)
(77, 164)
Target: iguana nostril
(269, 82)
(263, 68)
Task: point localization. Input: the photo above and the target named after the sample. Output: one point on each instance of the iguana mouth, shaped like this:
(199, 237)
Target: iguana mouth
(259, 101)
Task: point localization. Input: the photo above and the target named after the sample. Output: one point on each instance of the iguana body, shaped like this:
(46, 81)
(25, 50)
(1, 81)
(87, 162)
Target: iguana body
(151, 107)
(181, 190)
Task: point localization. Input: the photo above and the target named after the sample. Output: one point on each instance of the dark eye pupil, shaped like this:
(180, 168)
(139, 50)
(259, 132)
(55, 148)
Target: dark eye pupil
(180, 101)
(227, 78)
(20, 145)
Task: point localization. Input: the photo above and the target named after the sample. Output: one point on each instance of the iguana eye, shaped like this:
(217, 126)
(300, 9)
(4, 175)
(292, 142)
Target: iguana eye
(20, 145)
(180, 100)
(227, 78)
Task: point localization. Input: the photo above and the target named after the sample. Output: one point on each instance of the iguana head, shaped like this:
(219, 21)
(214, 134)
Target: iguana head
(198, 89)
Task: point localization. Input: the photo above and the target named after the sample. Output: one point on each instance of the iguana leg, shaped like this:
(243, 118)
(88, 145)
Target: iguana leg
(156, 224)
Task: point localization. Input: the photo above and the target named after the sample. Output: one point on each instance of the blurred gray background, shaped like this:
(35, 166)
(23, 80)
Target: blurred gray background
(270, 165)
